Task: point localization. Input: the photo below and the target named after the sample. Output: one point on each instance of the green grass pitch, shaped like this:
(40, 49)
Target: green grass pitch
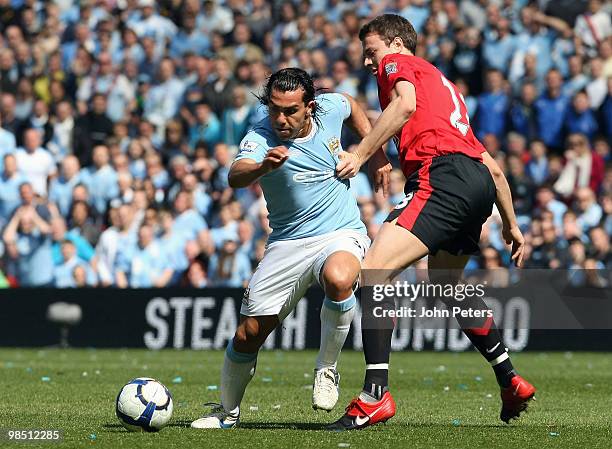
(444, 400)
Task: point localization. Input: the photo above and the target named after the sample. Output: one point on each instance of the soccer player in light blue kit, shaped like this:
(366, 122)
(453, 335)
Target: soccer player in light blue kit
(317, 234)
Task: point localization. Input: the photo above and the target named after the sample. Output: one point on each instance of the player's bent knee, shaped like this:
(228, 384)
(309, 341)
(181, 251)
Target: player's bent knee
(253, 331)
(338, 281)
(248, 336)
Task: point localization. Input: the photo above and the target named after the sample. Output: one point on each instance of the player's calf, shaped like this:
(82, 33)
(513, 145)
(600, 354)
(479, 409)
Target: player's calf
(238, 369)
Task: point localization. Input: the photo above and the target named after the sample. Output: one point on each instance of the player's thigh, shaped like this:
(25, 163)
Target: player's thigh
(338, 262)
(279, 281)
(394, 249)
(446, 268)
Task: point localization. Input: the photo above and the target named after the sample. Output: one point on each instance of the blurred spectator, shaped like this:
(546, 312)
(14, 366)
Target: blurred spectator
(197, 276)
(580, 118)
(91, 129)
(597, 89)
(499, 44)
(589, 212)
(149, 23)
(114, 86)
(63, 130)
(119, 235)
(64, 272)
(60, 189)
(537, 167)
(143, 264)
(593, 26)
(28, 247)
(606, 112)
(59, 234)
(162, 102)
(82, 223)
(188, 222)
(522, 188)
(204, 126)
(577, 79)
(600, 242)
(10, 121)
(243, 49)
(229, 267)
(215, 17)
(35, 162)
(218, 92)
(100, 179)
(141, 104)
(189, 38)
(492, 107)
(583, 167)
(236, 119)
(545, 199)
(7, 140)
(551, 109)
(10, 181)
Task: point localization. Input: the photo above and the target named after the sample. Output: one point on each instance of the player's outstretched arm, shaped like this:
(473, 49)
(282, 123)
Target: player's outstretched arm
(245, 172)
(379, 166)
(510, 231)
(399, 111)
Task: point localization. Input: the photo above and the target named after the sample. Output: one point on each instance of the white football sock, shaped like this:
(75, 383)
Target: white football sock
(336, 318)
(238, 370)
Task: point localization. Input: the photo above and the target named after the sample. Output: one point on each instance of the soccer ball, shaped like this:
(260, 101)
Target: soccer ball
(144, 404)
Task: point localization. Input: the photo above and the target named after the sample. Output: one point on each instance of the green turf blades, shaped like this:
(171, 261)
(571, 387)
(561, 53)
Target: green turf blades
(573, 407)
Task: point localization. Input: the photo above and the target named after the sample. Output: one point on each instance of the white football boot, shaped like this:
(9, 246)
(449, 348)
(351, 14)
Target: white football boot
(325, 389)
(218, 418)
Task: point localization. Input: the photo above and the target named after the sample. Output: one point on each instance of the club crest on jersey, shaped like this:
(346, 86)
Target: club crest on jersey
(391, 68)
(334, 145)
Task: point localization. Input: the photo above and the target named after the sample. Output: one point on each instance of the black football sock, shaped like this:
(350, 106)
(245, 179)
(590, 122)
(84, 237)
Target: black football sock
(485, 337)
(376, 349)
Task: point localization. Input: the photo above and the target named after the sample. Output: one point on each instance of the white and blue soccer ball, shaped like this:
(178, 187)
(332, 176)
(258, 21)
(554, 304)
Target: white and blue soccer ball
(144, 404)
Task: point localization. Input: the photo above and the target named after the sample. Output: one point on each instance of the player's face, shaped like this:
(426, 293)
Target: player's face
(289, 116)
(374, 49)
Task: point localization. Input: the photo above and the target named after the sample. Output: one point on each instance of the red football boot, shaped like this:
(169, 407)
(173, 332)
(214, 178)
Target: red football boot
(360, 414)
(515, 398)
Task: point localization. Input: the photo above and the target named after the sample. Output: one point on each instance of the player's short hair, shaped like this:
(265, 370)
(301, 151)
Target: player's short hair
(390, 26)
(288, 80)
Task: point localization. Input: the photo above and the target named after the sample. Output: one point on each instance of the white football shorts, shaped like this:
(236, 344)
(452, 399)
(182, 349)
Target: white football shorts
(290, 267)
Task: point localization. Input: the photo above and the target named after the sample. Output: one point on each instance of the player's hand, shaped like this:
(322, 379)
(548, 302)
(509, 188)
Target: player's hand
(379, 169)
(275, 158)
(513, 236)
(348, 166)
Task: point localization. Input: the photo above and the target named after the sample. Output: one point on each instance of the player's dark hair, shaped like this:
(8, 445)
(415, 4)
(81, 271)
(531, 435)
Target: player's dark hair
(288, 80)
(390, 26)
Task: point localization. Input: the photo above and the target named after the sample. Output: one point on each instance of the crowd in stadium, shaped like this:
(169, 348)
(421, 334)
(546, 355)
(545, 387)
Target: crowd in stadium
(120, 118)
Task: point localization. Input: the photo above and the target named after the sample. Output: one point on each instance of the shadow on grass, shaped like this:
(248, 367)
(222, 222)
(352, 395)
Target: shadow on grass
(282, 425)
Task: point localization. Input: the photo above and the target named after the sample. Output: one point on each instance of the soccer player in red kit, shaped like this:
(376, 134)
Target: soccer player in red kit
(452, 184)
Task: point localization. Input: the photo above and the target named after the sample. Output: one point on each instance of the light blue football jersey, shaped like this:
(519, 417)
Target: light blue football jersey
(304, 196)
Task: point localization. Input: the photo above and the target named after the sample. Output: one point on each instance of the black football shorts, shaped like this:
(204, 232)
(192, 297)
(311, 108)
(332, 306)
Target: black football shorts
(447, 201)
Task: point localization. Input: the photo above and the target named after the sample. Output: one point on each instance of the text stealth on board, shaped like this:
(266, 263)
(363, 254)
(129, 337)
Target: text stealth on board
(208, 323)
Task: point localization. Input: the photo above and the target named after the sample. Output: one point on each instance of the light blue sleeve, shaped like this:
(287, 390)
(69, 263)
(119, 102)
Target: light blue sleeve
(253, 146)
(335, 103)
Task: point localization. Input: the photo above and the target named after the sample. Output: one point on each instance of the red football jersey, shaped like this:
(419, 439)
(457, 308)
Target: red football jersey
(440, 124)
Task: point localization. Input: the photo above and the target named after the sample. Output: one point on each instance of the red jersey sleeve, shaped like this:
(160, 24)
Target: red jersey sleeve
(393, 69)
